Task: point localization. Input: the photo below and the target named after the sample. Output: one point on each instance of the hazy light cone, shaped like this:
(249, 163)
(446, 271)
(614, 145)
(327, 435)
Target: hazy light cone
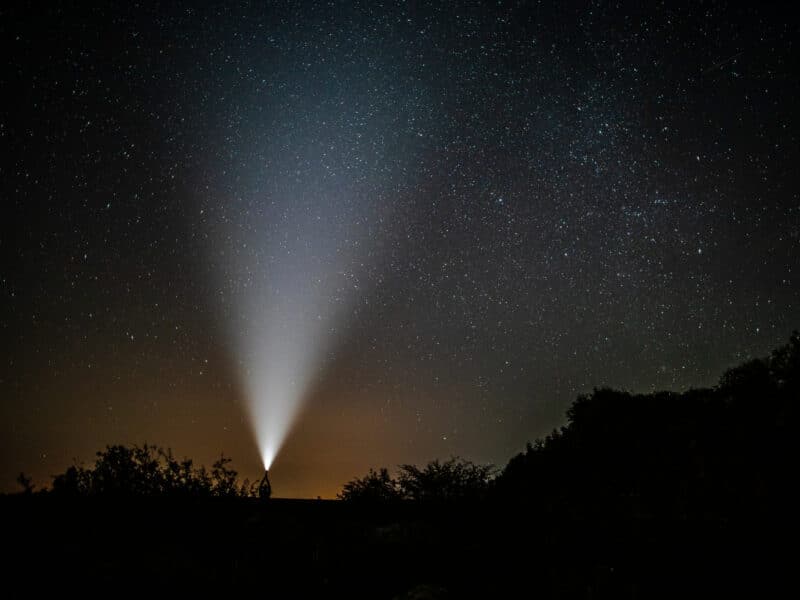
(287, 317)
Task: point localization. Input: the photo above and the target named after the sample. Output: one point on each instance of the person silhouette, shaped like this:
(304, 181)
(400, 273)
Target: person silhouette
(265, 488)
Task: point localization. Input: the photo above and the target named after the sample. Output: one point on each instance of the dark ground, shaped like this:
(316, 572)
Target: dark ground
(308, 548)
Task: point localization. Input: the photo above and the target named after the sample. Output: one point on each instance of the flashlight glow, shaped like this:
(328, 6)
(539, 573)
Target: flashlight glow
(285, 311)
(290, 256)
(302, 202)
(280, 351)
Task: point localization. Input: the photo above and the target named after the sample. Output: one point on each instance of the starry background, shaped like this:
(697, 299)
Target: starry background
(528, 200)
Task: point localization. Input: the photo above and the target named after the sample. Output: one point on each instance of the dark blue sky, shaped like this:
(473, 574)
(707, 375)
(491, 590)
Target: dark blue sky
(503, 207)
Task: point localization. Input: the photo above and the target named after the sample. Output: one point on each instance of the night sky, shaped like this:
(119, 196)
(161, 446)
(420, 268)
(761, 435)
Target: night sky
(435, 225)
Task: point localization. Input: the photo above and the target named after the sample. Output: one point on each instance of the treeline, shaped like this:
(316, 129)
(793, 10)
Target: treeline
(709, 453)
(454, 480)
(121, 471)
(704, 453)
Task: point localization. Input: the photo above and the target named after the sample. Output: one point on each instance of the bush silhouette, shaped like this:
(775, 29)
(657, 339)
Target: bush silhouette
(453, 480)
(375, 486)
(149, 471)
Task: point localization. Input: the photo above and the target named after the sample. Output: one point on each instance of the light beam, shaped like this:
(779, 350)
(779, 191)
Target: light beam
(291, 280)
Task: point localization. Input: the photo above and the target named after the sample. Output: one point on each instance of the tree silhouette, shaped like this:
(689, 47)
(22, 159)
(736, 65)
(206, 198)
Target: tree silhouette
(717, 453)
(149, 471)
(26, 483)
(374, 487)
(453, 480)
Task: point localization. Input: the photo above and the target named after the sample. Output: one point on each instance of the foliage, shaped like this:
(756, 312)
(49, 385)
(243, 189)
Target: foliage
(706, 453)
(453, 480)
(149, 471)
(375, 486)
(26, 483)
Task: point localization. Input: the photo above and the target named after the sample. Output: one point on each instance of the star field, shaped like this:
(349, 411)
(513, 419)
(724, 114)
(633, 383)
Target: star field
(491, 209)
